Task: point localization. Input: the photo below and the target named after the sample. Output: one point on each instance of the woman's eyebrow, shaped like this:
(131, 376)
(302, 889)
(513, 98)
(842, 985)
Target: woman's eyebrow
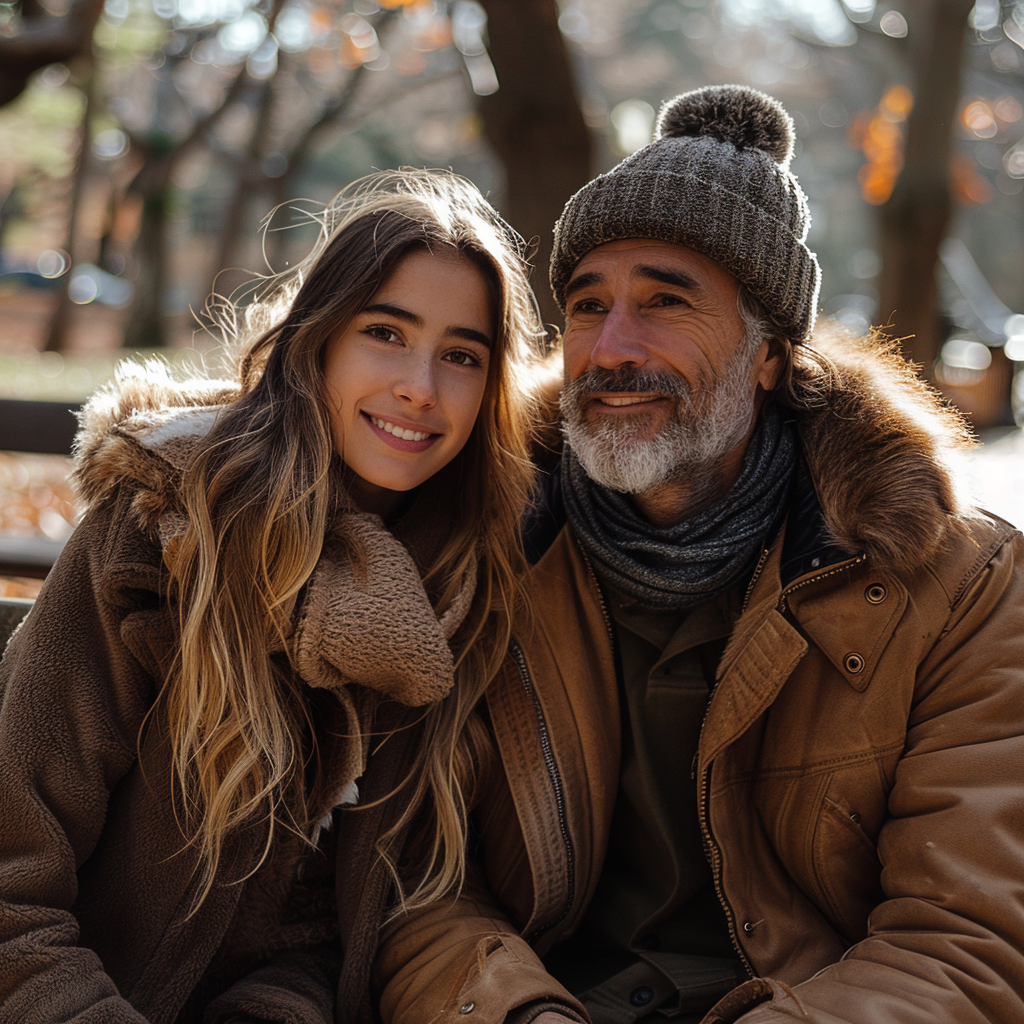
(409, 317)
(396, 311)
(468, 334)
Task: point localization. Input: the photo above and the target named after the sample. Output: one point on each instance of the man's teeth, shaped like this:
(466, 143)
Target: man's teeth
(626, 400)
(405, 435)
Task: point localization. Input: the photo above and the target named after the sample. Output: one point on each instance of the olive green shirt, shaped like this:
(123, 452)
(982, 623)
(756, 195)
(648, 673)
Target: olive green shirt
(655, 892)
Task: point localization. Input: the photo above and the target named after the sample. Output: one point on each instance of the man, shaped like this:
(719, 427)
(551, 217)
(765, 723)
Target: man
(761, 740)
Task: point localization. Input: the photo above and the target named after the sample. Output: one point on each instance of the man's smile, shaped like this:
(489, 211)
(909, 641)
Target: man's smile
(614, 402)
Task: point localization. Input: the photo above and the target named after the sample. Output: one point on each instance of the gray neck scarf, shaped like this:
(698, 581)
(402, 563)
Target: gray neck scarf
(681, 566)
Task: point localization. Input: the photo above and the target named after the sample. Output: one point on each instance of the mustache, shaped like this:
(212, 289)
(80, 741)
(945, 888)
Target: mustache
(598, 379)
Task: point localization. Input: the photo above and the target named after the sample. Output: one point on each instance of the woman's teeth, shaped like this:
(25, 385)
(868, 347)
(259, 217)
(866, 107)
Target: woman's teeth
(405, 435)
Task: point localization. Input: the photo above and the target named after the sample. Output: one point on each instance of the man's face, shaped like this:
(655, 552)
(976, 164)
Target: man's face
(661, 381)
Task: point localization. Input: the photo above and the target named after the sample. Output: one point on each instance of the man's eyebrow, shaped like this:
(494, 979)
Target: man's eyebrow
(665, 276)
(409, 317)
(583, 281)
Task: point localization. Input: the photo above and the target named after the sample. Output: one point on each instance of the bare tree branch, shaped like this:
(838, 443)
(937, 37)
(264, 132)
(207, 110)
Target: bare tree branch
(45, 40)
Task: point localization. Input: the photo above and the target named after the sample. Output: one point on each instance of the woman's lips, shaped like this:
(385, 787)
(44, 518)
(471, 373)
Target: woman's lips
(402, 437)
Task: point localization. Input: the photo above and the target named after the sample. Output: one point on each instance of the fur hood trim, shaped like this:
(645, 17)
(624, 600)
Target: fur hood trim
(885, 451)
(141, 428)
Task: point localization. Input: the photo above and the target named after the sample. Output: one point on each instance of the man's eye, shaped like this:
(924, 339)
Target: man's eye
(585, 306)
(462, 358)
(670, 300)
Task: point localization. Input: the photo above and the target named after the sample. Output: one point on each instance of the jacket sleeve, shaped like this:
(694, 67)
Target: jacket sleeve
(71, 702)
(295, 986)
(461, 961)
(947, 943)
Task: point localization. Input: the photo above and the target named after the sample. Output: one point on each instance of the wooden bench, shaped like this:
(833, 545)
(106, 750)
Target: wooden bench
(37, 428)
(12, 611)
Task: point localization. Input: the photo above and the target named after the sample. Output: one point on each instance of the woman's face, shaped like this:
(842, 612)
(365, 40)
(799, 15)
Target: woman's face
(404, 381)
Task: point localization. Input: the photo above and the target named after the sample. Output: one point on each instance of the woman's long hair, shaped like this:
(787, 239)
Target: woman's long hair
(263, 490)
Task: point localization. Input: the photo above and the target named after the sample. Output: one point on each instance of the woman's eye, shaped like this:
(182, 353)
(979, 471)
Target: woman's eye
(381, 333)
(462, 358)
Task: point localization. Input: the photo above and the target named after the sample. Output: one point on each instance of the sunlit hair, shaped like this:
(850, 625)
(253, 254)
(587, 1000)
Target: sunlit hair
(806, 376)
(264, 488)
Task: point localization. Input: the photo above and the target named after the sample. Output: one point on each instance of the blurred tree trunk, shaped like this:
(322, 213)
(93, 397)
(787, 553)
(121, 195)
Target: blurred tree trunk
(915, 218)
(60, 319)
(146, 328)
(535, 125)
(44, 39)
(250, 182)
(154, 185)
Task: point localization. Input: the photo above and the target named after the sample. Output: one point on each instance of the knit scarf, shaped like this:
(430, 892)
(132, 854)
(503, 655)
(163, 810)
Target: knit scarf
(681, 566)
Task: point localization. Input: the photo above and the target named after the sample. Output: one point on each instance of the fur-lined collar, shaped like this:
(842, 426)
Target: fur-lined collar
(884, 451)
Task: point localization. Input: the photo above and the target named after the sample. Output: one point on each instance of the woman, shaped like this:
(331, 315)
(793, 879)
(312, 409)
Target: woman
(282, 585)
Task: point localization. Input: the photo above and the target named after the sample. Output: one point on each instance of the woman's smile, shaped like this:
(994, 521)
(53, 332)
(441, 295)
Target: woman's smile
(400, 434)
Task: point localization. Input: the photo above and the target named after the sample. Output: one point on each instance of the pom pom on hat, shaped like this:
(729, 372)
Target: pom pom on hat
(715, 178)
(730, 113)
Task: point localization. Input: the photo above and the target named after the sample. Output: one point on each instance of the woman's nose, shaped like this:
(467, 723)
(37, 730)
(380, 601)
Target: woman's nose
(418, 386)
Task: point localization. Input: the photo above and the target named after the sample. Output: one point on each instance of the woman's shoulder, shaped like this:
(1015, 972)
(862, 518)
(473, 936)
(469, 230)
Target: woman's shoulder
(139, 433)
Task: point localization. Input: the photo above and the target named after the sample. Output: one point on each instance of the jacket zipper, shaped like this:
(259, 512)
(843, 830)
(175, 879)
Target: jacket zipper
(600, 596)
(753, 579)
(713, 852)
(714, 855)
(556, 784)
(831, 571)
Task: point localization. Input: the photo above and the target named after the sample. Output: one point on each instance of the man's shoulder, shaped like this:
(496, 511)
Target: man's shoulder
(971, 545)
(546, 517)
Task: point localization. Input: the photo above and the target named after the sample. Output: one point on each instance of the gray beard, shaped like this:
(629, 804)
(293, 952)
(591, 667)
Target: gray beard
(703, 428)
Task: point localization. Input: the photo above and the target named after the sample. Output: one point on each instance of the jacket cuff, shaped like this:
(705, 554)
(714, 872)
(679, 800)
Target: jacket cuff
(507, 976)
(531, 1011)
(749, 996)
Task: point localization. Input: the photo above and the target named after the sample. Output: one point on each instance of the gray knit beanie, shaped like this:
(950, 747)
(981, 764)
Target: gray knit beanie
(715, 178)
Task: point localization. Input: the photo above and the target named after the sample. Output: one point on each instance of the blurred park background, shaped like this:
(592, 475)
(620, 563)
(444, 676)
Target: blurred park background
(149, 148)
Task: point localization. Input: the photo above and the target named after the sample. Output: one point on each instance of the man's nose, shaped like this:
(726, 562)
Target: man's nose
(620, 342)
(418, 385)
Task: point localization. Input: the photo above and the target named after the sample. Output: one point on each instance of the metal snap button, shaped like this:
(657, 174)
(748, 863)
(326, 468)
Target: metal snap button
(748, 927)
(467, 1007)
(815, 562)
(855, 818)
(641, 996)
(853, 663)
(875, 594)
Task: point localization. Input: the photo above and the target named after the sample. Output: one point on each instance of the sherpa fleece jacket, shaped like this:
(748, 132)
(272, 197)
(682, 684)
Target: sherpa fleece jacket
(96, 879)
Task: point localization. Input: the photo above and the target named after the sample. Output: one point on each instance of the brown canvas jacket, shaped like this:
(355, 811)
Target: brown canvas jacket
(858, 773)
(96, 879)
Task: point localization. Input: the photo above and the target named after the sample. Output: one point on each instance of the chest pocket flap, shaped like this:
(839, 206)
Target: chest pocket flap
(850, 618)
